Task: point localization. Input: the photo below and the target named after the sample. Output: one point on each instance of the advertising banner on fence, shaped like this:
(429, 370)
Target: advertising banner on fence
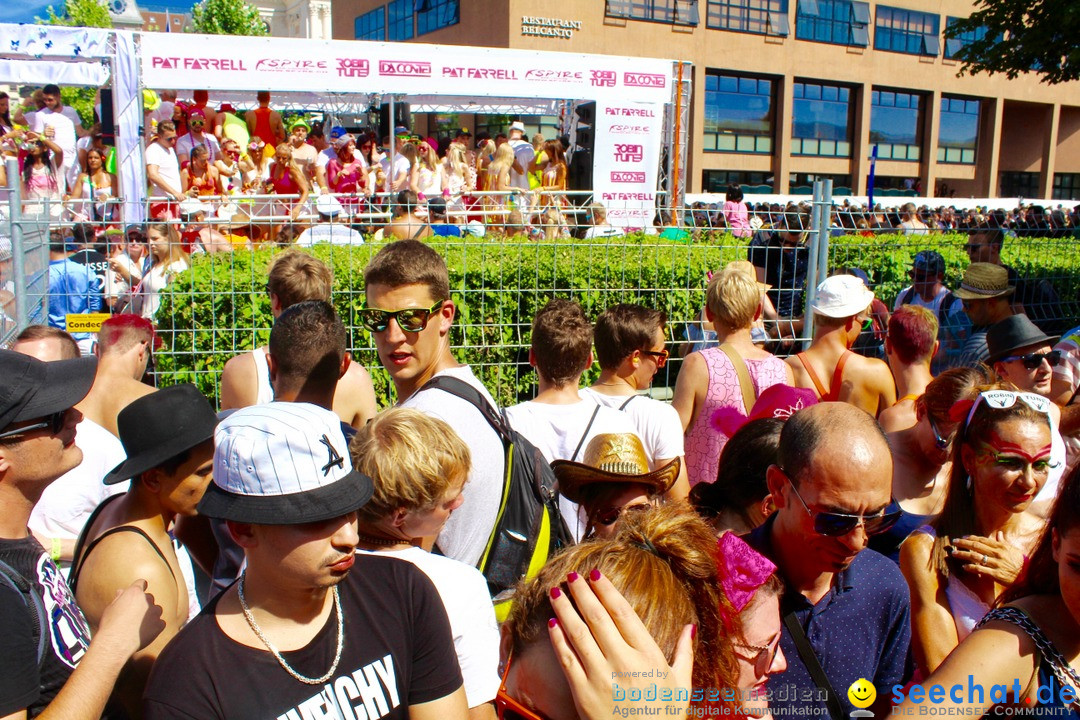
(185, 61)
(626, 161)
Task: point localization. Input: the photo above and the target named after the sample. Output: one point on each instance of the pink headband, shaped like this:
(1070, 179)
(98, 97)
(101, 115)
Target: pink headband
(742, 570)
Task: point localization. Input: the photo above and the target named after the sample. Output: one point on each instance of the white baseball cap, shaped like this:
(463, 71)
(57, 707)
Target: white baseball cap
(328, 206)
(517, 126)
(283, 463)
(842, 296)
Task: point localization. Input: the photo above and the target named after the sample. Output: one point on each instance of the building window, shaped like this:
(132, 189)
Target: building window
(896, 123)
(717, 181)
(841, 22)
(399, 23)
(1019, 184)
(761, 17)
(821, 120)
(803, 183)
(907, 31)
(675, 12)
(432, 15)
(371, 25)
(954, 45)
(738, 114)
(547, 125)
(1066, 186)
(959, 132)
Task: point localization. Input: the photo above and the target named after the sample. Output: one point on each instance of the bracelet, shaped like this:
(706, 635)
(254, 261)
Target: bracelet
(55, 550)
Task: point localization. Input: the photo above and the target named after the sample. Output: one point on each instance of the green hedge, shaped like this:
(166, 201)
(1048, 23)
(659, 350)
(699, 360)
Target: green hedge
(220, 308)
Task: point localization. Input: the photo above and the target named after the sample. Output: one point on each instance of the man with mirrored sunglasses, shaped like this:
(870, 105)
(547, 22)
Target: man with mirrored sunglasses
(1023, 354)
(409, 313)
(846, 607)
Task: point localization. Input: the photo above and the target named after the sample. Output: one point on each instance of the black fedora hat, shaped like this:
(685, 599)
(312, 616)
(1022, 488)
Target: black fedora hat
(31, 389)
(160, 426)
(1013, 333)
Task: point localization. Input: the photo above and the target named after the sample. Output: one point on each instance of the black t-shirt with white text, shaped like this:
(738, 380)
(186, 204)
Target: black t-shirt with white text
(398, 652)
(24, 681)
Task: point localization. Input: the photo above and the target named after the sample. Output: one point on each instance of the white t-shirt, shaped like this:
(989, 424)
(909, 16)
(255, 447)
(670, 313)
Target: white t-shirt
(932, 305)
(324, 157)
(525, 154)
(656, 423)
(602, 231)
(466, 533)
(63, 125)
(66, 504)
(148, 299)
(167, 164)
(557, 430)
(464, 593)
(401, 167)
(335, 234)
(185, 143)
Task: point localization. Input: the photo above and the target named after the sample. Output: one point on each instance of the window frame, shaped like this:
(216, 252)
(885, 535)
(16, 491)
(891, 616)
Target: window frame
(943, 151)
(798, 143)
(753, 17)
(381, 11)
(813, 14)
(763, 143)
(682, 13)
(892, 23)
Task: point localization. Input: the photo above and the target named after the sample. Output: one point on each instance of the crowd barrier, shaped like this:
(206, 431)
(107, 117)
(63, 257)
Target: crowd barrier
(502, 274)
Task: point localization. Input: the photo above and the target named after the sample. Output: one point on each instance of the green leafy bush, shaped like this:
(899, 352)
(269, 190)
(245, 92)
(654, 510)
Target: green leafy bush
(220, 307)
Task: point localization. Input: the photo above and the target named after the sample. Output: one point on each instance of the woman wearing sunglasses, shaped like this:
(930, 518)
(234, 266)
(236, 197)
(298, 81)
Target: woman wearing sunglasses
(921, 457)
(663, 562)
(958, 567)
(1030, 640)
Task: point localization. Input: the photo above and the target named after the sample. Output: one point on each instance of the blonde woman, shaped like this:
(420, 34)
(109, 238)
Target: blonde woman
(498, 180)
(460, 179)
(429, 177)
(553, 175)
(167, 260)
(484, 156)
(286, 178)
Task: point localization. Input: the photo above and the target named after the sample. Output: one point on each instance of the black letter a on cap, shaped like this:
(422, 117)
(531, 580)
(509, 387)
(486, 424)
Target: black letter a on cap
(333, 459)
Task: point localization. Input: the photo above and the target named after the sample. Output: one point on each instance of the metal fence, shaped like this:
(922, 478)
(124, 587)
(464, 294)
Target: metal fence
(514, 254)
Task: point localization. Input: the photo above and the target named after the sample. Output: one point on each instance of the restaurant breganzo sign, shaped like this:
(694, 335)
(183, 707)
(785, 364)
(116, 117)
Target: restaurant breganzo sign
(549, 27)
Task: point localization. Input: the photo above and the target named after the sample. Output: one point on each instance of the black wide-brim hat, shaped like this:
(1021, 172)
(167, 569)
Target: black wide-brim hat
(1013, 333)
(160, 426)
(31, 389)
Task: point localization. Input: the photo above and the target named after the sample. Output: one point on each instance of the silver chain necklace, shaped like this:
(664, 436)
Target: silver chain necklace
(274, 651)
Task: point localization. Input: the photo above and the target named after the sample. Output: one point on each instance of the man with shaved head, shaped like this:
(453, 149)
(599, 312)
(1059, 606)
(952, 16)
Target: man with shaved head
(846, 608)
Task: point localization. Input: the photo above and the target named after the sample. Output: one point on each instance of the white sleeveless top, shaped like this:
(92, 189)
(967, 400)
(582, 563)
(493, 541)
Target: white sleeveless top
(265, 393)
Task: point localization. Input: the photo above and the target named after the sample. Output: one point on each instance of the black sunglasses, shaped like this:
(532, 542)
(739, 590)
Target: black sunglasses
(835, 524)
(55, 423)
(408, 319)
(661, 356)
(1033, 360)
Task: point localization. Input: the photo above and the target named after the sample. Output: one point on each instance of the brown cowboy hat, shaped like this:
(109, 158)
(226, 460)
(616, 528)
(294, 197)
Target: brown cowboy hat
(613, 458)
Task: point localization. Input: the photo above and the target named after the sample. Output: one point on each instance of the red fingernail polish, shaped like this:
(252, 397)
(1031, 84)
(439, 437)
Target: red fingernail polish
(553, 622)
(693, 631)
(594, 575)
(572, 577)
(556, 593)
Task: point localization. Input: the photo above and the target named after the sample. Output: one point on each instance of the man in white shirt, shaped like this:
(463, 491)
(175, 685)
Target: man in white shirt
(163, 169)
(559, 421)
(524, 154)
(600, 228)
(928, 290)
(66, 124)
(399, 179)
(409, 314)
(330, 229)
(197, 135)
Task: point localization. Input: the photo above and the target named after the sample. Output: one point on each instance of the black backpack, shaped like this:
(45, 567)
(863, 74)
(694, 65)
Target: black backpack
(39, 622)
(529, 528)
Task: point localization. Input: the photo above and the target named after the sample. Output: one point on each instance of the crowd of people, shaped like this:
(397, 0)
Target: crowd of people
(785, 530)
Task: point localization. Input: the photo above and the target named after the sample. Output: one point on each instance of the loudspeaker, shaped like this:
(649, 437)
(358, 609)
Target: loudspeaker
(108, 123)
(402, 116)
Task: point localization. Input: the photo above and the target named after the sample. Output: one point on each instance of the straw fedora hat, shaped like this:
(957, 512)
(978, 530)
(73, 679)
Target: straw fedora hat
(984, 280)
(613, 458)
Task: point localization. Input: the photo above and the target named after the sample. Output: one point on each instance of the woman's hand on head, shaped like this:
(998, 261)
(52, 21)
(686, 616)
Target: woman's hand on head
(605, 642)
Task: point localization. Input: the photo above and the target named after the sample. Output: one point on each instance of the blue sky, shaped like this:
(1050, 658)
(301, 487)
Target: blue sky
(18, 11)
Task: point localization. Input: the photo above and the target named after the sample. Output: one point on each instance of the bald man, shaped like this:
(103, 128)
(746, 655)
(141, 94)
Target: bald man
(832, 490)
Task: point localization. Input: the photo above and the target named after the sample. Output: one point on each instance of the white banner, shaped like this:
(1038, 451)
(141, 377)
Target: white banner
(626, 161)
(184, 61)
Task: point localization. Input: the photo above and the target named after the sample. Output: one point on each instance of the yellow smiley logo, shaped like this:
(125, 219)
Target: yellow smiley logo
(862, 693)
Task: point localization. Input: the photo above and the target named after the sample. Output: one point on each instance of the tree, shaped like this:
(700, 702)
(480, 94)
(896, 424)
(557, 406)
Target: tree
(227, 17)
(1017, 36)
(80, 13)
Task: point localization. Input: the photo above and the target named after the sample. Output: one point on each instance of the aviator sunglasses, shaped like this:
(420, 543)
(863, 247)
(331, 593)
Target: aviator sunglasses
(408, 319)
(836, 524)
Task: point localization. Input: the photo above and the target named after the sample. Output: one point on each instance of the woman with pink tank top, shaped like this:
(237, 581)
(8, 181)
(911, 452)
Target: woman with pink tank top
(710, 379)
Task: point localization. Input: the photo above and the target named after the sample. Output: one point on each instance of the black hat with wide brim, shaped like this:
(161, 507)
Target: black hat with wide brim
(31, 389)
(159, 426)
(1013, 333)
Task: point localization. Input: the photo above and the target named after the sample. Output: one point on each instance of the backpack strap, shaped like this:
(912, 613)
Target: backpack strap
(813, 665)
(586, 433)
(461, 389)
(943, 309)
(34, 606)
(813, 375)
(906, 297)
(745, 383)
(632, 397)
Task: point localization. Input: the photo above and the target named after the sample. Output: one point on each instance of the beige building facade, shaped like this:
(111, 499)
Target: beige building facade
(788, 90)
